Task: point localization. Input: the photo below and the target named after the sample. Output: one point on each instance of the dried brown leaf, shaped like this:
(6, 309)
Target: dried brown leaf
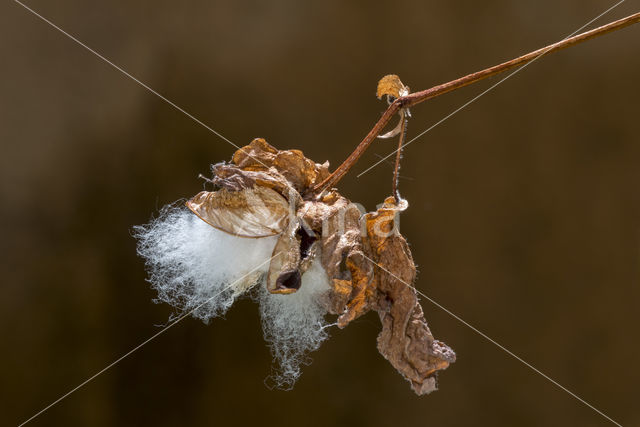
(405, 340)
(392, 86)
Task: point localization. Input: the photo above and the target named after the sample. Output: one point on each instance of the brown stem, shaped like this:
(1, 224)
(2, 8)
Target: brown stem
(418, 97)
(333, 179)
(396, 169)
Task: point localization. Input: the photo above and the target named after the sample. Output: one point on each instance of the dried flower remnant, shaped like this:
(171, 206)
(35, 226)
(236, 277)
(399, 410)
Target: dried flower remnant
(324, 255)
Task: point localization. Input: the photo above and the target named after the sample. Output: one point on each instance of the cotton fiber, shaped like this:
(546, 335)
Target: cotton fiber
(196, 267)
(294, 324)
(199, 269)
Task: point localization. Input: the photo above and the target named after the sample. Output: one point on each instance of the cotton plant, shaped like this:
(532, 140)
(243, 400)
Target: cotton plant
(276, 228)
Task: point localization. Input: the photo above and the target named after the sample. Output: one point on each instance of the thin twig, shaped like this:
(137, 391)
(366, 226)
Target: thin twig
(418, 97)
(389, 162)
(396, 169)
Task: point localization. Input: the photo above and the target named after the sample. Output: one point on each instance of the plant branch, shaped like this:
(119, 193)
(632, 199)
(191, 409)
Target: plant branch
(418, 97)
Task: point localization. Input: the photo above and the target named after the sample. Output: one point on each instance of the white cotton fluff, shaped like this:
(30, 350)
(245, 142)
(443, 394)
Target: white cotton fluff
(196, 267)
(294, 324)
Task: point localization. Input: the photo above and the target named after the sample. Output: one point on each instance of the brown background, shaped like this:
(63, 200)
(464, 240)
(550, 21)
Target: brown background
(524, 218)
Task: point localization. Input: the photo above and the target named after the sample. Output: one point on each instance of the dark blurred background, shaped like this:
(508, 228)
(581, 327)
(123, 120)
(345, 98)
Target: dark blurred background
(524, 217)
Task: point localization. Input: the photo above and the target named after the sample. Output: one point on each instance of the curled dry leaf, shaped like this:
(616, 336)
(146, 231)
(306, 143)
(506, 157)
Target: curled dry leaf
(405, 340)
(265, 191)
(392, 87)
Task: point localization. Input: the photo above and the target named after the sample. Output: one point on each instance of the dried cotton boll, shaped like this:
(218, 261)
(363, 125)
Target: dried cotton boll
(295, 324)
(195, 266)
(326, 267)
